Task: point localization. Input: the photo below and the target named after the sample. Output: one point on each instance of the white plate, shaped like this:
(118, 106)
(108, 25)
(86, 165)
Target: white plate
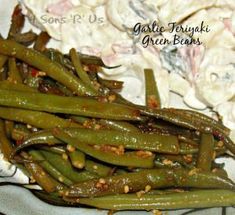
(18, 201)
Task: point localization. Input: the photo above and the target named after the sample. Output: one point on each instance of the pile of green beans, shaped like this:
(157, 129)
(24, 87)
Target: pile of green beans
(86, 145)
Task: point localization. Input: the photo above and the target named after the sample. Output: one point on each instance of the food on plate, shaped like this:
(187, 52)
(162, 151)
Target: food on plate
(202, 74)
(84, 144)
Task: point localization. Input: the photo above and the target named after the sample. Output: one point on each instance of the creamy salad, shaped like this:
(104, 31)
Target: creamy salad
(202, 73)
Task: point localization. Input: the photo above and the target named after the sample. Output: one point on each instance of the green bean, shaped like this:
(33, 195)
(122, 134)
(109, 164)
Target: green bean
(206, 152)
(172, 116)
(5, 144)
(58, 150)
(123, 159)
(98, 168)
(111, 84)
(175, 160)
(93, 60)
(38, 157)
(58, 57)
(80, 71)
(111, 124)
(9, 126)
(19, 134)
(26, 38)
(152, 94)
(77, 158)
(80, 119)
(41, 41)
(41, 137)
(191, 199)
(41, 62)
(14, 75)
(78, 106)
(3, 60)
(155, 178)
(204, 118)
(118, 125)
(7, 85)
(35, 118)
(42, 178)
(161, 164)
(65, 167)
(17, 22)
(186, 148)
(129, 140)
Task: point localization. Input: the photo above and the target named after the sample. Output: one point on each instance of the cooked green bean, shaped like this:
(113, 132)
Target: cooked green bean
(80, 71)
(155, 178)
(129, 140)
(152, 94)
(204, 118)
(187, 199)
(93, 60)
(41, 62)
(55, 149)
(7, 85)
(118, 125)
(35, 118)
(41, 41)
(13, 72)
(5, 145)
(131, 159)
(3, 60)
(26, 38)
(111, 84)
(77, 158)
(65, 167)
(38, 157)
(206, 152)
(42, 178)
(9, 126)
(79, 106)
(19, 134)
(98, 168)
(111, 124)
(17, 22)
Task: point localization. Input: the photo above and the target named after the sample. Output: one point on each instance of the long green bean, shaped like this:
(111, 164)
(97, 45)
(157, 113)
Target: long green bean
(155, 178)
(7, 85)
(79, 106)
(130, 159)
(35, 118)
(41, 62)
(191, 199)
